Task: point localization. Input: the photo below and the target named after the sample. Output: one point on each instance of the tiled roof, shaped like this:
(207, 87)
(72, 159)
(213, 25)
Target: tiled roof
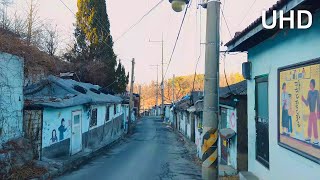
(238, 89)
(235, 89)
(59, 93)
(258, 21)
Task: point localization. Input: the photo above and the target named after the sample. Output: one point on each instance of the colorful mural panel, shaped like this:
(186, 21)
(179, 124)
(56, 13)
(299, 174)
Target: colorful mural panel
(299, 109)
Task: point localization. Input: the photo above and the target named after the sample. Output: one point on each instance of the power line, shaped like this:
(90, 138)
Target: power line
(248, 11)
(175, 44)
(196, 67)
(225, 74)
(135, 24)
(224, 18)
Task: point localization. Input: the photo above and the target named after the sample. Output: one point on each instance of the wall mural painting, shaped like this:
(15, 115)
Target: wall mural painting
(299, 109)
(54, 137)
(62, 129)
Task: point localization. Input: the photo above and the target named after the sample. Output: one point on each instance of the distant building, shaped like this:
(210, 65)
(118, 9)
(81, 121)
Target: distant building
(283, 95)
(11, 96)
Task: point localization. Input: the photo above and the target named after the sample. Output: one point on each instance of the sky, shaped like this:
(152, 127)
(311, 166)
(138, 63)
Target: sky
(161, 21)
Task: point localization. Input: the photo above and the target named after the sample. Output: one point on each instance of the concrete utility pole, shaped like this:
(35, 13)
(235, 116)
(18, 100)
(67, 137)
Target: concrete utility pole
(162, 75)
(157, 89)
(139, 100)
(173, 89)
(131, 97)
(162, 83)
(211, 92)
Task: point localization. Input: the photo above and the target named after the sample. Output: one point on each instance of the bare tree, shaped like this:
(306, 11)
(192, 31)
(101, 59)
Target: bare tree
(32, 22)
(18, 24)
(5, 21)
(51, 40)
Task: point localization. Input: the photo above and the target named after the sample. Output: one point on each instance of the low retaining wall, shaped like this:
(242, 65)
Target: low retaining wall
(104, 133)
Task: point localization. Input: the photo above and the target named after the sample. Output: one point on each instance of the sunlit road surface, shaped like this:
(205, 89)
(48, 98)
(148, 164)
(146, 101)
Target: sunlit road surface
(153, 152)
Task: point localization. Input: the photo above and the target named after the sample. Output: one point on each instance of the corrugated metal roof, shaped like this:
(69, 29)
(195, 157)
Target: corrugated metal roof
(59, 93)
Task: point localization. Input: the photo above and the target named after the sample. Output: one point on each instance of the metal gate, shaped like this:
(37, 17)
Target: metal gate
(32, 125)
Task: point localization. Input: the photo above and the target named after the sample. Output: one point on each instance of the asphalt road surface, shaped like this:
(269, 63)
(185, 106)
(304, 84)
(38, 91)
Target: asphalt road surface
(153, 152)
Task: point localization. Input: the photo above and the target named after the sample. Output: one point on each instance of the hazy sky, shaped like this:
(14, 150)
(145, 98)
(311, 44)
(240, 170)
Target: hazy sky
(135, 44)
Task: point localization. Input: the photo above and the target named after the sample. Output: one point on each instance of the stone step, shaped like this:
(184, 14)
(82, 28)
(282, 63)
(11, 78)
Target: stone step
(245, 175)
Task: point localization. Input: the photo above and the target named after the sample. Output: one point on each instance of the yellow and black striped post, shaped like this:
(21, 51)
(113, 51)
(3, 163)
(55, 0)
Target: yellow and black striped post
(210, 148)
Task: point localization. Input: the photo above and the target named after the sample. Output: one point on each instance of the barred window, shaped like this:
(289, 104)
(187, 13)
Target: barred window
(93, 119)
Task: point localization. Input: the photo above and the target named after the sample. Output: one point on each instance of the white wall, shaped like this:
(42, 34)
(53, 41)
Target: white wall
(52, 120)
(286, 48)
(198, 138)
(11, 96)
(232, 123)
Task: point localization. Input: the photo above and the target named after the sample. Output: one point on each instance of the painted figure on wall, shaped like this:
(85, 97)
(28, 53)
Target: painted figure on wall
(62, 129)
(285, 102)
(299, 109)
(54, 137)
(313, 102)
(290, 113)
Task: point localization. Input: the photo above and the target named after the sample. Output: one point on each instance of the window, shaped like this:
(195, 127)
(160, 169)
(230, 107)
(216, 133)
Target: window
(107, 113)
(114, 109)
(93, 119)
(262, 120)
(224, 118)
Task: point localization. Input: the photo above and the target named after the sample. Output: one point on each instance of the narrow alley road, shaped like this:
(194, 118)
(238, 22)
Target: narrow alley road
(153, 152)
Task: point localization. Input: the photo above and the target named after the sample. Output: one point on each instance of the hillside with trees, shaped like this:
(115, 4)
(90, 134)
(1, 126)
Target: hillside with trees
(37, 41)
(183, 85)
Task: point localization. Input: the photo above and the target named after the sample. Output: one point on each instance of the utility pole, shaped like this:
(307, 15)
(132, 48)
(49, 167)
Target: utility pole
(173, 89)
(131, 97)
(157, 89)
(139, 100)
(211, 92)
(162, 75)
(162, 83)
(211, 86)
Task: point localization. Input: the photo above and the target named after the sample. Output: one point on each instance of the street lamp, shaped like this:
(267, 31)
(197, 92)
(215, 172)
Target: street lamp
(178, 5)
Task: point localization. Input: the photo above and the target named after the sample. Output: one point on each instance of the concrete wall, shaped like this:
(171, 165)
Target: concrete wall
(285, 48)
(52, 119)
(232, 123)
(198, 137)
(104, 133)
(91, 136)
(188, 122)
(167, 113)
(11, 96)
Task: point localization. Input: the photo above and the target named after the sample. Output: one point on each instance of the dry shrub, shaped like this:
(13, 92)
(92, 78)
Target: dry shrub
(35, 60)
(28, 171)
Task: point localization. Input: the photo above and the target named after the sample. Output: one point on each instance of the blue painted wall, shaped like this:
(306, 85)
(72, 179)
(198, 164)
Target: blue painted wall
(285, 48)
(52, 118)
(52, 122)
(11, 96)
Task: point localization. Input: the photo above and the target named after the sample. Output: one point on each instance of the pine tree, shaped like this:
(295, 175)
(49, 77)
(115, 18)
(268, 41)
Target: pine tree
(94, 44)
(122, 79)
